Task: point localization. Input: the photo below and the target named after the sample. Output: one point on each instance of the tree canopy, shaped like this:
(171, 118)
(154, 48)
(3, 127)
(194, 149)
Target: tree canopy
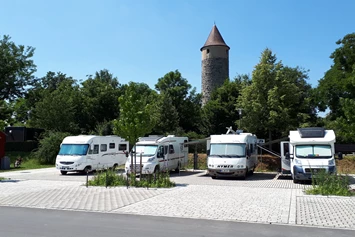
(16, 68)
(273, 99)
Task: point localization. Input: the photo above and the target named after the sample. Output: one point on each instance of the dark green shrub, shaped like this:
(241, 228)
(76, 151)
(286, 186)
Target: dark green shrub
(49, 147)
(330, 184)
(111, 178)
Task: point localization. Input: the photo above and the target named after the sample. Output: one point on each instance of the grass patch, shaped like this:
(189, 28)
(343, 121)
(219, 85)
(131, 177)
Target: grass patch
(268, 163)
(2, 178)
(346, 165)
(28, 162)
(110, 178)
(201, 161)
(330, 184)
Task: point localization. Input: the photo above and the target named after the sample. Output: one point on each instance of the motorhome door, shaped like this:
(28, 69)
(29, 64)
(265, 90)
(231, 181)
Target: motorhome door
(285, 163)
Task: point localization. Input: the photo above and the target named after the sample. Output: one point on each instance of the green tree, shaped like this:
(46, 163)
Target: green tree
(16, 68)
(136, 112)
(338, 81)
(186, 101)
(220, 112)
(277, 99)
(344, 126)
(49, 83)
(5, 114)
(59, 109)
(167, 116)
(20, 113)
(100, 95)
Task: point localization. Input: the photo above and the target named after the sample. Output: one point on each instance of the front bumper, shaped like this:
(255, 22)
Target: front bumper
(306, 173)
(147, 168)
(72, 167)
(226, 172)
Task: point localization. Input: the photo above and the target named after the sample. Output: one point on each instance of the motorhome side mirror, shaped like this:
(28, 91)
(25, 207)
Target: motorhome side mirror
(127, 153)
(287, 155)
(340, 156)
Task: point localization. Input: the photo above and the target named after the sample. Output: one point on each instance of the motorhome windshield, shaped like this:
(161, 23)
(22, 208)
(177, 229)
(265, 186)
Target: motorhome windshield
(230, 150)
(313, 151)
(73, 149)
(146, 150)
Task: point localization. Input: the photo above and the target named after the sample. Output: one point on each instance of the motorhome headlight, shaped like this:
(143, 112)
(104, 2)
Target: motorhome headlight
(151, 159)
(298, 162)
(331, 162)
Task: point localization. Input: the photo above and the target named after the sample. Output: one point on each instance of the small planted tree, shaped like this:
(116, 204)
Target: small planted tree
(136, 113)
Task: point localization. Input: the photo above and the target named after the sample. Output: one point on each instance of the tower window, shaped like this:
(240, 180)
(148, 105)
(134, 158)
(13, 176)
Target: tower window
(208, 51)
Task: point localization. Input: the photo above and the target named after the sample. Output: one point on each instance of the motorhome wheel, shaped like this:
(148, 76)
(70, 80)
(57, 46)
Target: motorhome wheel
(87, 169)
(177, 169)
(63, 172)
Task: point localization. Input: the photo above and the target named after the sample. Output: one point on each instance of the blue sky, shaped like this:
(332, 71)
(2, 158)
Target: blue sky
(141, 40)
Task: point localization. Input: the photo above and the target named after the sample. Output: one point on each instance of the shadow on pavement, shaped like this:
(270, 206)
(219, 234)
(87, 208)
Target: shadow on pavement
(253, 177)
(10, 181)
(187, 173)
(90, 174)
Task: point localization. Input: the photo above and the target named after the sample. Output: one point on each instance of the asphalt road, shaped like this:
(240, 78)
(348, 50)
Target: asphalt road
(25, 222)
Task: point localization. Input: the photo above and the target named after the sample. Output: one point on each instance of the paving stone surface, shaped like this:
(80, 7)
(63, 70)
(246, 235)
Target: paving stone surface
(218, 202)
(263, 198)
(70, 195)
(326, 211)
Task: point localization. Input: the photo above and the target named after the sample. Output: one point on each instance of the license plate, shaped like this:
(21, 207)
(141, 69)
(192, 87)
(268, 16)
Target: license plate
(65, 167)
(225, 171)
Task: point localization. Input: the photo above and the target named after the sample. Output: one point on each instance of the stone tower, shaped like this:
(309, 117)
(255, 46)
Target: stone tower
(215, 63)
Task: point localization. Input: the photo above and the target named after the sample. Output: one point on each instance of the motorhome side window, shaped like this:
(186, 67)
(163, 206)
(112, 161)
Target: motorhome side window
(103, 147)
(165, 150)
(96, 149)
(171, 149)
(122, 147)
(112, 145)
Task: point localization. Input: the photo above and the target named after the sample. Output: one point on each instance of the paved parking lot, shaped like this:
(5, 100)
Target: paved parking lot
(262, 198)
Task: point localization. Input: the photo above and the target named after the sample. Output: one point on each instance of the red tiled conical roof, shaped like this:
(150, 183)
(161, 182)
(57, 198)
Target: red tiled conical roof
(215, 39)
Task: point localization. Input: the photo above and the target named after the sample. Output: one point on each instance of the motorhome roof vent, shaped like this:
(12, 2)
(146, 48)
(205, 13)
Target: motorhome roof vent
(311, 132)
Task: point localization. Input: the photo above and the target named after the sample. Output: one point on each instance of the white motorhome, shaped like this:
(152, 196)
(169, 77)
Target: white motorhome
(158, 154)
(89, 152)
(232, 154)
(308, 151)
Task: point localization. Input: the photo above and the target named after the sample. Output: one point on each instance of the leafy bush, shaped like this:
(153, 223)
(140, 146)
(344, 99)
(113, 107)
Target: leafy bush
(111, 178)
(330, 184)
(49, 147)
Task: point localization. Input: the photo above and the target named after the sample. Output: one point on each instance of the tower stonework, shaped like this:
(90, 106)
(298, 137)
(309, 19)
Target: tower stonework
(215, 64)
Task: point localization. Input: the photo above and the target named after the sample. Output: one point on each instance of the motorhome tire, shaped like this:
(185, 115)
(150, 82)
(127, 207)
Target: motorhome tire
(214, 177)
(177, 169)
(63, 172)
(156, 169)
(295, 181)
(87, 169)
(245, 174)
(114, 167)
